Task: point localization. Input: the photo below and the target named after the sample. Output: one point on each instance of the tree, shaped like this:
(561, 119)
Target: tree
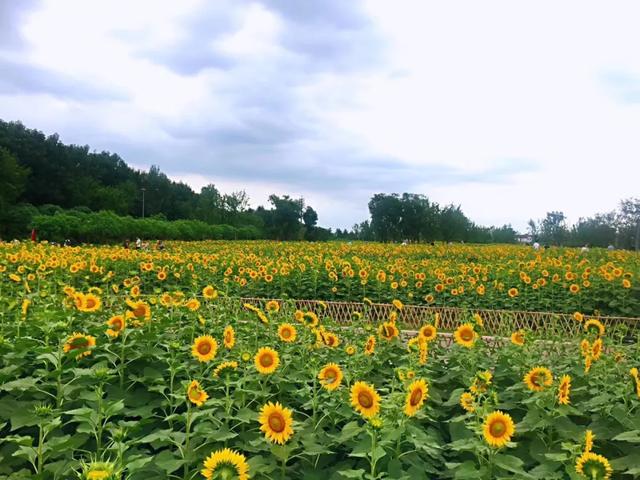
(386, 216)
(284, 221)
(629, 220)
(553, 228)
(12, 179)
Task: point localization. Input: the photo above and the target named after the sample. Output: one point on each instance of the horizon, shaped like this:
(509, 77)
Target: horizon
(505, 111)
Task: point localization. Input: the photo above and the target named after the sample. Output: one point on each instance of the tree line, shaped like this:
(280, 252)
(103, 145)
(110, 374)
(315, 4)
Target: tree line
(66, 190)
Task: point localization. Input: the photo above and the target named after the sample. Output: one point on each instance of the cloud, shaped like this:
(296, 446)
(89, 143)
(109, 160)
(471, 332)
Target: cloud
(12, 16)
(623, 86)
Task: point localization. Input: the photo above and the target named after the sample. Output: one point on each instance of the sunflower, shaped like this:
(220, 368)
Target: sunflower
(594, 326)
(209, 292)
(272, 306)
(370, 345)
(330, 376)
(204, 348)
(589, 437)
(428, 332)
(593, 466)
(424, 351)
(312, 319)
(481, 382)
(139, 310)
(276, 422)
(365, 399)
(193, 304)
(230, 463)
(467, 402)
(161, 275)
(388, 331)
(99, 471)
(232, 365)
(498, 428)
(117, 324)
(538, 378)
(398, 304)
(596, 349)
(517, 338)
(564, 388)
(196, 394)
(135, 291)
(417, 394)
(287, 333)
(478, 320)
(578, 317)
(267, 360)
(299, 316)
(81, 342)
(636, 378)
(350, 350)
(585, 347)
(513, 292)
(465, 335)
(90, 303)
(574, 288)
(229, 337)
(330, 339)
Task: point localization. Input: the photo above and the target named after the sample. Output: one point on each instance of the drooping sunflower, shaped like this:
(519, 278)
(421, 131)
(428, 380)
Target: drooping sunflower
(276, 423)
(428, 332)
(196, 394)
(564, 389)
(398, 304)
(593, 466)
(229, 463)
(209, 292)
(267, 360)
(517, 338)
(467, 401)
(370, 345)
(594, 325)
(204, 348)
(81, 342)
(229, 337)
(585, 347)
(538, 378)
(596, 349)
(365, 400)
(228, 366)
(331, 376)
(416, 396)
(423, 347)
(465, 335)
(498, 428)
(636, 378)
(287, 333)
(116, 325)
(388, 331)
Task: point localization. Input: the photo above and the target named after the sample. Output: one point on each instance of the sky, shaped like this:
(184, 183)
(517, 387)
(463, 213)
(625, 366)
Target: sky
(509, 109)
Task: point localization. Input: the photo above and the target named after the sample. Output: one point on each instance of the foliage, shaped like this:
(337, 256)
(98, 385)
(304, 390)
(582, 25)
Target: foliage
(115, 402)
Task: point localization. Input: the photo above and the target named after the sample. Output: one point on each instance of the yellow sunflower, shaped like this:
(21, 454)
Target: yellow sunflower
(82, 343)
(416, 396)
(267, 360)
(388, 331)
(595, 326)
(232, 365)
(423, 346)
(370, 345)
(139, 310)
(517, 338)
(276, 423)
(287, 333)
(272, 306)
(513, 292)
(467, 402)
(498, 428)
(589, 437)
(538, 378)
(229, 337)
(196, 394)
(330, 339)
(204, 348)
(428, 332)
(465, 335)
(228, 462)
(331, 376)
(116, 325)
(578, 317)
(350, 350)
(209, 292)
(90, 303)
(564, 389)
(593, 466)
(596, 349)
(365, 400)
(398, 304)
(193, 304)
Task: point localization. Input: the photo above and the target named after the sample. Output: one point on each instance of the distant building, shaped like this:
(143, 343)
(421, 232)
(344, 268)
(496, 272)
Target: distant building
(526, 238)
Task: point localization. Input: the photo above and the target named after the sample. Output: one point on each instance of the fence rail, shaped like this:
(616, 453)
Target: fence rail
(496, 322)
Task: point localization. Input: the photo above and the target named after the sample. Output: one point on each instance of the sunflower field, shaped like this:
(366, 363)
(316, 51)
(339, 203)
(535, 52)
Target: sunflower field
(121, 364)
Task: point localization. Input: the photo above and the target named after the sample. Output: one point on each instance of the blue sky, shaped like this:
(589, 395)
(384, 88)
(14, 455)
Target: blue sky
(510, 109)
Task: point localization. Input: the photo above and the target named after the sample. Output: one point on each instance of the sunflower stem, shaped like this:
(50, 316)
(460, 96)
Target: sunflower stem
(186, 454)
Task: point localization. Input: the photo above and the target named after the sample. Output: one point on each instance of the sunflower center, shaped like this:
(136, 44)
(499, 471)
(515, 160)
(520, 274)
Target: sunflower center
(91, 303)
(330, 376)
(415, 397)
(80, 342)
(204, 348)
(286, 333)
(497, 428)
(139, 311)
(266, 360)
(365, 399)
(276, 422)
(117, 324)
(466, 335)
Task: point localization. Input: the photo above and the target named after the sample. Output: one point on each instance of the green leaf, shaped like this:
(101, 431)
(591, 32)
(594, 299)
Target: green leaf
(167, 461)
(19, 384)
(633, 436)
